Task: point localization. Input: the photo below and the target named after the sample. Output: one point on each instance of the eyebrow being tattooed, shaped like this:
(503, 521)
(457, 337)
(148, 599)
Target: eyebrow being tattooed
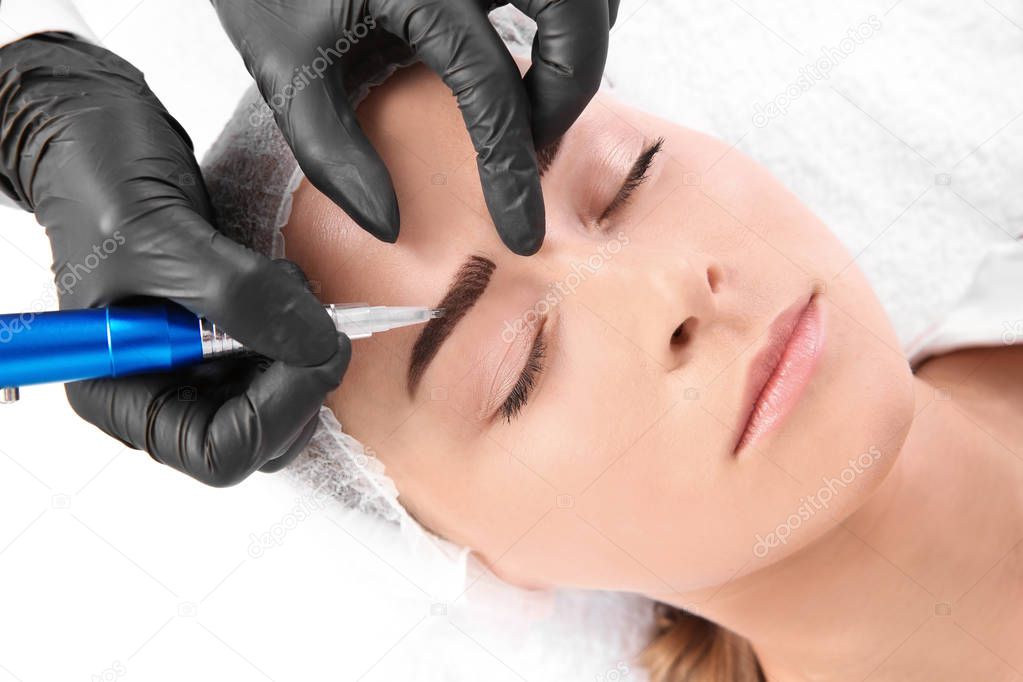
(466, 289)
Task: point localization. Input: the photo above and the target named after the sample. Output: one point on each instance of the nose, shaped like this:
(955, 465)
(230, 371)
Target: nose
(663, 302)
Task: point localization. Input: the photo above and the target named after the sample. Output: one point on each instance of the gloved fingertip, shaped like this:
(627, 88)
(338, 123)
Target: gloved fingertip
(527, 242)
(346, 348)
(360, 185)
(294, 450)
(514, 197)
(344, 352)
(333, 372)
(613, 13)
(293, 270)
(388, 225)
(385, 232)
(523, 223)
(376, 212)
(557, 100)
(544, 134)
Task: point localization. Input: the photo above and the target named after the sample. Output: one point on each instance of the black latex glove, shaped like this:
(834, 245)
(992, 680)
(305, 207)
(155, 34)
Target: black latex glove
(283, 42)
(88, 147)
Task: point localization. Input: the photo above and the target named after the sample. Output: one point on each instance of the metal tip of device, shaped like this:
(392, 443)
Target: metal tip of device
(436, 313)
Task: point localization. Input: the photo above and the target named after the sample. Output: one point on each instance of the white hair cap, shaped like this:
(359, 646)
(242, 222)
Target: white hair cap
(251, 174)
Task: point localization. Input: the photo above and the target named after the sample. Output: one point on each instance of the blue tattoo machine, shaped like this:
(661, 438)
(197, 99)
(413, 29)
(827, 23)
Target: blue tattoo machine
(74, 345)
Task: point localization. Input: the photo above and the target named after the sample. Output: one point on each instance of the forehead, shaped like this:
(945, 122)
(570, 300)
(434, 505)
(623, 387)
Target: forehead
(415, 124)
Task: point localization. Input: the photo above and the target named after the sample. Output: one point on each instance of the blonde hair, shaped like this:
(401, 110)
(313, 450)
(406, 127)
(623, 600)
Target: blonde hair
(688, 648)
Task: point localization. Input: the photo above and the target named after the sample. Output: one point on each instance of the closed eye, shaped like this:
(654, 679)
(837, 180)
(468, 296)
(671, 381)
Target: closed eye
(520, 393)
(636, 177)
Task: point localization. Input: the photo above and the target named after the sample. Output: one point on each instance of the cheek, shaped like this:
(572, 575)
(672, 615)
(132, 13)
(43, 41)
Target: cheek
(594, 400)
(663, 513)
(715, 199)
(627, 464)
(472, 492)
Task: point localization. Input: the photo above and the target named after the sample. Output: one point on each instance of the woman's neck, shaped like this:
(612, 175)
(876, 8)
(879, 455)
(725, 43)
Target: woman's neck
(919, 581)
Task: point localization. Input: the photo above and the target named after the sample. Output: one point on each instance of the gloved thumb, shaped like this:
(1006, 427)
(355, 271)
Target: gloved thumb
(319, 125)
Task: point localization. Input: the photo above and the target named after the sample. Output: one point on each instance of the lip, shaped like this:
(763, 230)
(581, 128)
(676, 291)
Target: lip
(781, 370)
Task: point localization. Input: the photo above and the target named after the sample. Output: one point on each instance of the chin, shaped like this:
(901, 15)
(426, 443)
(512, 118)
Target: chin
(865, 414)
(843, 439)
(872, 405)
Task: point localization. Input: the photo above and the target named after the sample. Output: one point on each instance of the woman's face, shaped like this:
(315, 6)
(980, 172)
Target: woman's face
(580, 416)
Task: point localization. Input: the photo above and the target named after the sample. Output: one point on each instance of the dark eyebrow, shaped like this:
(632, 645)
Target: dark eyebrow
(467, 287)
(545, 157)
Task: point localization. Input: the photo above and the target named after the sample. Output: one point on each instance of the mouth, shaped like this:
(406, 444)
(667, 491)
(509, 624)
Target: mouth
(782, 370)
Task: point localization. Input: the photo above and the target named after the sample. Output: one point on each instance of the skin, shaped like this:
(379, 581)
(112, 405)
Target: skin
(619, 473)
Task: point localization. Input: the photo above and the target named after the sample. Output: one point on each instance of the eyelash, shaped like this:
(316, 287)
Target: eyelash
(527, 381)
(520, 393)
(637, 176)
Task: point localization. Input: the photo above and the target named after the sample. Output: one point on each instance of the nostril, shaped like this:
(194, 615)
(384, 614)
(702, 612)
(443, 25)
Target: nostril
(714, 278)
(683, 332)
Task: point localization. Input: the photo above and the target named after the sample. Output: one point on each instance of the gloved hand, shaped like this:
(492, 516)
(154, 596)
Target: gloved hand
(88, 147)
(299, 50)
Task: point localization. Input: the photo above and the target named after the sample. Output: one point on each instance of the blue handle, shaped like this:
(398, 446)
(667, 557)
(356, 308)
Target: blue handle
(72, 345)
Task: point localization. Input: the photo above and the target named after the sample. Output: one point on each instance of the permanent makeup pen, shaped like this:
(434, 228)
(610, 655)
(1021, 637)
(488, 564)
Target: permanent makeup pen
(74, 345)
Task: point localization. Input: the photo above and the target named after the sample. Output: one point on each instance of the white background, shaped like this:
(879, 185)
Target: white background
(112, 566)
(100, 548)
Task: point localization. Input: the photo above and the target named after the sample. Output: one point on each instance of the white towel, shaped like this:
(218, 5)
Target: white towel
(912, 150)
(907, 151)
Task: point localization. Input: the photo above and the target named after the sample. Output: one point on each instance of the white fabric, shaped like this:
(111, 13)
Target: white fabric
(911, 151)
(21, 18)
(568, 633)
(918, 254)
(989, 314)
(928, 77)
(539, 635)
(338, 468)
(936, 76)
